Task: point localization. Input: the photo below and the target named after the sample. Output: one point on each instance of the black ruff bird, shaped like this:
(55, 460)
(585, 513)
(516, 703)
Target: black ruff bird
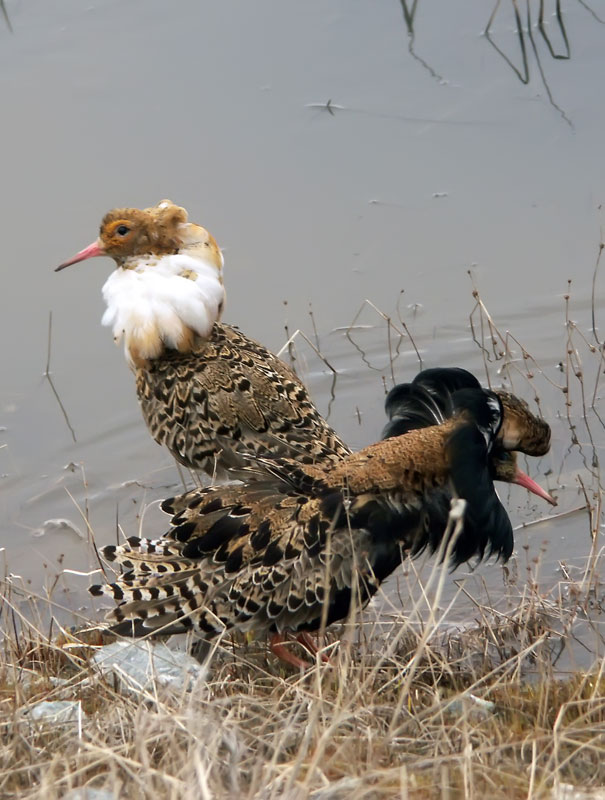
(432, 398)
(299, 543)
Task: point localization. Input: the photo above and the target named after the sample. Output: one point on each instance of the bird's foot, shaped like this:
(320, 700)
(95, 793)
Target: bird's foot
(279, 646)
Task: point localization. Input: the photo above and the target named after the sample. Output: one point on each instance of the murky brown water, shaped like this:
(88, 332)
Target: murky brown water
(432, 158)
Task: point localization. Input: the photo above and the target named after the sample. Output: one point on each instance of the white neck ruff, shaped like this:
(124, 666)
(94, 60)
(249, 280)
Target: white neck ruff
(157, 302)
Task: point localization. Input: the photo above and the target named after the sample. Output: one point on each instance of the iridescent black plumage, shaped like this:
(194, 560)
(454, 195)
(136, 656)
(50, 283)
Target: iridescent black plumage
(478, 454)
(427, 400)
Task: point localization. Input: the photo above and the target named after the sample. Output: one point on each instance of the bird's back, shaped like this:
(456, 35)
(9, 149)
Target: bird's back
(231, 388)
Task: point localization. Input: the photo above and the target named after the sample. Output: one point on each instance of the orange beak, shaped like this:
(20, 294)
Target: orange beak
(93, 250)
(528, 483)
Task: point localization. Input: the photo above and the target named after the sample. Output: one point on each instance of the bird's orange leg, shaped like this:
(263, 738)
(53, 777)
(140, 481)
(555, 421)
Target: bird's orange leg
(310, 644)
(284, 653)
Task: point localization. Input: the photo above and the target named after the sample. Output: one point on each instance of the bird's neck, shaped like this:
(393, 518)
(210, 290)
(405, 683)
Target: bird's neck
(158, 303)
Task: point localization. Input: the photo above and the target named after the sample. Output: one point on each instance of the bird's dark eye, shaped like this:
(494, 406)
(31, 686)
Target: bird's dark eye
(122, 230)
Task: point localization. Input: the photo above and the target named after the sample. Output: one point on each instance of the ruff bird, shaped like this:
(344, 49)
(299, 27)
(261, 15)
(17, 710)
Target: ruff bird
(198, 380)
(298, 545)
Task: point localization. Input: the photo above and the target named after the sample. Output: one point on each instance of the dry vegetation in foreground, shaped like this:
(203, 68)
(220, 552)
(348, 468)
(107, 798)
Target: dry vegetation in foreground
(480, 713)
(402, 710)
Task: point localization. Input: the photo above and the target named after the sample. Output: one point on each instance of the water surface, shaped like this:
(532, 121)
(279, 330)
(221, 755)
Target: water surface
(339, 151)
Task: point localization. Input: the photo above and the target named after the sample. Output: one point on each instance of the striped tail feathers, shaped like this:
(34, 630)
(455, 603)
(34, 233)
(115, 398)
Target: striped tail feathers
(149, 587)
(253, 551)
(154, 606)
(215, 534)
(136, 552)
(181, 502)
(149, 563)
(159, 589)
(174, 607)
(426, 401)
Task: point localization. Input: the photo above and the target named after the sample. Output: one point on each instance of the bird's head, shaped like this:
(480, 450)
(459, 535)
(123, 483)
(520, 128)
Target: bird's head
(130, 233)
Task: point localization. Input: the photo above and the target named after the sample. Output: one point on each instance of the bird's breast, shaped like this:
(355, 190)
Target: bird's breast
(159, 303)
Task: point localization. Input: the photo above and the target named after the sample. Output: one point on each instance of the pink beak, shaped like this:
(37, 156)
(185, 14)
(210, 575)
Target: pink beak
(93, 250)
(528, 483)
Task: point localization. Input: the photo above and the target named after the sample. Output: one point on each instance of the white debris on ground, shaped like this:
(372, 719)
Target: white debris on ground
(56, 712)
(472, 705)
(143, 666)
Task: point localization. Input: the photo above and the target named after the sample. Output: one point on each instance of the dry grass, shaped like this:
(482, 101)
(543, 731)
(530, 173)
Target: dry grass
(403, 710)
(400, 720)
(407, 708)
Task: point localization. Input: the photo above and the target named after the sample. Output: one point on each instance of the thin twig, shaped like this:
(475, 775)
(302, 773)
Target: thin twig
(48, 377)
(549, 518)
(289, 344)
(592, 295)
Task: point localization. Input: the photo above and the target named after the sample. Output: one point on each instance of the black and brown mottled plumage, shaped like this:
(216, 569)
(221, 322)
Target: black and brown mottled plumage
(230, 388)
(296, 546)
(198, 380)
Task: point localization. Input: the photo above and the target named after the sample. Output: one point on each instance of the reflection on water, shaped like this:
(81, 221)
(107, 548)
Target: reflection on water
(525, 34)
(409, 13)
(556, 40)
(522, 69)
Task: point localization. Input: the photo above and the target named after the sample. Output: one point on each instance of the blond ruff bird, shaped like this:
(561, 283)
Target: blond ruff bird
(198, 380)
(299, 545)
